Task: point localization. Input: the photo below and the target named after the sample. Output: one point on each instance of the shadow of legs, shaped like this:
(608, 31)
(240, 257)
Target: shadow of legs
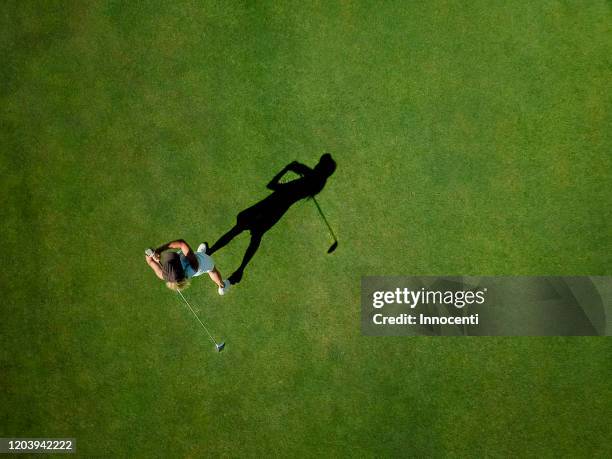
(250, 251)
(225, 239)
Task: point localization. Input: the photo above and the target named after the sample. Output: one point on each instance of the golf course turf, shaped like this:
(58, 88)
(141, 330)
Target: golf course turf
(471, 138)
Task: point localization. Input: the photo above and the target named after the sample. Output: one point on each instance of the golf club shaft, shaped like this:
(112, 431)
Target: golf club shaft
(196, 316)
(324, 219)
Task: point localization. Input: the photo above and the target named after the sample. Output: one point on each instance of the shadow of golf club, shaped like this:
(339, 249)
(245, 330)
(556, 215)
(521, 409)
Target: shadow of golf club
(263, 215)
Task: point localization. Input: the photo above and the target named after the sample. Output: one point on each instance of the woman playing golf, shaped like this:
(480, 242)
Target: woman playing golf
(177, 268)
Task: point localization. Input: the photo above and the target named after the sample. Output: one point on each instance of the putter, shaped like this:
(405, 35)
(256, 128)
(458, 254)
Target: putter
(218, 346)
(331, 232)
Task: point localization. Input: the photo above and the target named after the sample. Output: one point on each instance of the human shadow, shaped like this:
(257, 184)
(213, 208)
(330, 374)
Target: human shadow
(263, 215)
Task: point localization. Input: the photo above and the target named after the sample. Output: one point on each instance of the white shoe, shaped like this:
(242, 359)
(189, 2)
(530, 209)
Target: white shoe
(203, 247)
(226, 286)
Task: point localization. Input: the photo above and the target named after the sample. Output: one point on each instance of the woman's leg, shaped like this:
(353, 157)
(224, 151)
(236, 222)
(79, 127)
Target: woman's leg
(215, 275)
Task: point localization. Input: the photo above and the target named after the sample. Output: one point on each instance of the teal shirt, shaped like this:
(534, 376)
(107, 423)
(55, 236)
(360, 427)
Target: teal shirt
(189, 271)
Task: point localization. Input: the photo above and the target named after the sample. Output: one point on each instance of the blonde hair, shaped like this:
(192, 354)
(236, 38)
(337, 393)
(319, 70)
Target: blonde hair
(177, 286)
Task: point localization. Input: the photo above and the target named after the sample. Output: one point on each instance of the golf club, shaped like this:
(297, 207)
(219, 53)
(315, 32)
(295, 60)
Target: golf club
(218, 346)
(331, 232)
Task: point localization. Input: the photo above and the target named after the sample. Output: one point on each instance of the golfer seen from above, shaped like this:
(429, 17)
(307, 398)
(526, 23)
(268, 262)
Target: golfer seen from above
(177, 268)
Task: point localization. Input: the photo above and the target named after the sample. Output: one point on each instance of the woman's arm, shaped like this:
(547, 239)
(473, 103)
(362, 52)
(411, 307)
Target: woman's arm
(154, 266)
(177, 244)
(184, 247)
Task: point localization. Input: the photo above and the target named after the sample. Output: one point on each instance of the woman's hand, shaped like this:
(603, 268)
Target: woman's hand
(152, 254)
(154, 265)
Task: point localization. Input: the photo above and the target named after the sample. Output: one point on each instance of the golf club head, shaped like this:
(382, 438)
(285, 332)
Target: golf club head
(333, 247)
(220, 346)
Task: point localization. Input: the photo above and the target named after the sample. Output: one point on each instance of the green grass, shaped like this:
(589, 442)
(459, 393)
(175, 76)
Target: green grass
(471, 138)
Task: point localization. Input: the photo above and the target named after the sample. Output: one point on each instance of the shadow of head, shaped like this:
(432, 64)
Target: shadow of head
(313, 181)
(326, 165)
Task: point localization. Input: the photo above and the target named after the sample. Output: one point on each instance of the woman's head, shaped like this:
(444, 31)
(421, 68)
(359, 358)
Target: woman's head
(172, 271)
(177, 286)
